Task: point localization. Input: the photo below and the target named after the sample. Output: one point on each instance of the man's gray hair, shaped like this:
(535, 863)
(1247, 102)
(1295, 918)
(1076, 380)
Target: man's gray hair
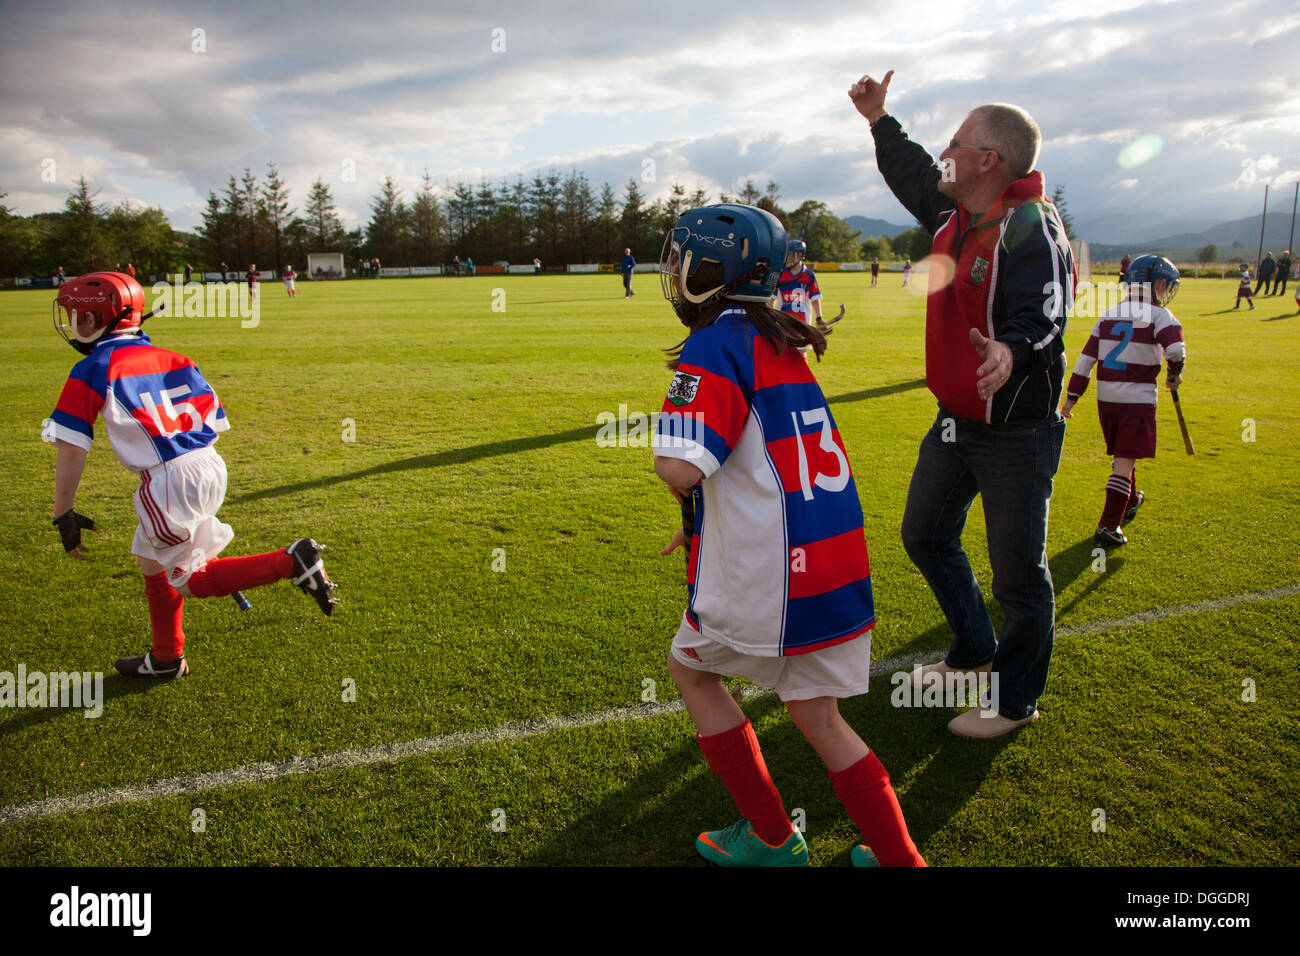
(1012, 132)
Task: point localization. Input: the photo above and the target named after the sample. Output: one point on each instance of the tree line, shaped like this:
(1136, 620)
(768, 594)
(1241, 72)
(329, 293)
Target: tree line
(88, 235)
(559, 218)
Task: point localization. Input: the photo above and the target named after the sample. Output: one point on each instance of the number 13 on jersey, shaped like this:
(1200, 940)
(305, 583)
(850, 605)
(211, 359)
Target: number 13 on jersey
(836, 482)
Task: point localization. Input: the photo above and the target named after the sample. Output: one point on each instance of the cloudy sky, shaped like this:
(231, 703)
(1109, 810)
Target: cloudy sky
(1176, 111)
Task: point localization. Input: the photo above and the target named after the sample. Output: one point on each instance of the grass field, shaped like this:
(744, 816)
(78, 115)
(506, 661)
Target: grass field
(475, 430)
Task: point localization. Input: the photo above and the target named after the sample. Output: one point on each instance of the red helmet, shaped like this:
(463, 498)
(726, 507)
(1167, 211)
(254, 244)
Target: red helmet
(95, 305)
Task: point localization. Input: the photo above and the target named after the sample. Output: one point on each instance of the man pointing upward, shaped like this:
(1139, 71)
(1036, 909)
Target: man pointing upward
(1001, 281)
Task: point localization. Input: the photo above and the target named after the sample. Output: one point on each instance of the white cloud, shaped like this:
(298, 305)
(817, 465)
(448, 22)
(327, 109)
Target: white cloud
(399, 90)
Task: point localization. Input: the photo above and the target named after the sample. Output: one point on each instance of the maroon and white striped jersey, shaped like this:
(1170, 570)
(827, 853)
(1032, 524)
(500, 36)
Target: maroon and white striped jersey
(1126, 345)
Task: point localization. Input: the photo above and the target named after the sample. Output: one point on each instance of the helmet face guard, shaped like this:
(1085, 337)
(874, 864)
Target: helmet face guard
(1146, 271)
(96, 305)
(726, 251)
(795, 252)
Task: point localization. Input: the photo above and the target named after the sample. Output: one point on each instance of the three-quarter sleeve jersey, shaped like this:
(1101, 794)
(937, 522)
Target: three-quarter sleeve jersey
(779, 564)
(156, 404)
(1126, 345)
(797, 292)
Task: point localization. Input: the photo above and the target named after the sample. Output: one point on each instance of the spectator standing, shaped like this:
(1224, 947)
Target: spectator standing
(1283, 273)
(1266, 270)
(629, 264)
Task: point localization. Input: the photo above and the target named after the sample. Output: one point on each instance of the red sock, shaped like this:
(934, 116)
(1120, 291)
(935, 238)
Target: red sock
(225, 576)
(1117, 491)
(734, 756)
(865, 792)
(166, 608)
(1133, 488)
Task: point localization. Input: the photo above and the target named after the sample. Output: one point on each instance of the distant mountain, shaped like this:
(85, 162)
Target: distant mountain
(1238, 232)
(875, 227)
(1120, 228)
(1239, 237)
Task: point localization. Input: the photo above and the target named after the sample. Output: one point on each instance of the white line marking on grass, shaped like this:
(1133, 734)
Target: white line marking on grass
(386, 753)
(1179, 610)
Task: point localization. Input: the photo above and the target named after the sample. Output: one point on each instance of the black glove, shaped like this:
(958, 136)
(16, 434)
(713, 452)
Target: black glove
(70, 524)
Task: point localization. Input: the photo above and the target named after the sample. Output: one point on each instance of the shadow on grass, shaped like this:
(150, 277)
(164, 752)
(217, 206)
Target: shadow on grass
(654, 818)
(456, 456)
(1284, 315)
(1067, 565)
(115, 685)
(880, 391)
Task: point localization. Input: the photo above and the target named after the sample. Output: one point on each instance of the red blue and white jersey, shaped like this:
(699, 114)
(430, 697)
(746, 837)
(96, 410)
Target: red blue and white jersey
(156, 404)
(797, 292)
(1127, 344)
(251, 276)
(779, 562)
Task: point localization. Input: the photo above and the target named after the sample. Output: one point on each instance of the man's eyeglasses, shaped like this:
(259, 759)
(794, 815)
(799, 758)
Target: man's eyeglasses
(953, 144)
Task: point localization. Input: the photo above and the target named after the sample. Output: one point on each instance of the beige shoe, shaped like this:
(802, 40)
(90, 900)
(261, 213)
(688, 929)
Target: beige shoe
(986, 724)
(941, 668)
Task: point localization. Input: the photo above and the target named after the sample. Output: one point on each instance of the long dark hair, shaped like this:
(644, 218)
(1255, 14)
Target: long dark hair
(782, 329)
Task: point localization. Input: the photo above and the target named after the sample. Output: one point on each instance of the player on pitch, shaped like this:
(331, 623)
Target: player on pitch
(162, 418)
(778, 576)
(1128, 342)
(796, 290)
(1243, 288)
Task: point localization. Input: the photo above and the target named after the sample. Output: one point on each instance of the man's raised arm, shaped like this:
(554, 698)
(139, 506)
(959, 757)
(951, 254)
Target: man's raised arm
(910, 172)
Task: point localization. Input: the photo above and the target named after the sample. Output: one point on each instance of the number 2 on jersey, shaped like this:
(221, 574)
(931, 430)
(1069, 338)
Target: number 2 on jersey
(1112, 360)
(836, 482)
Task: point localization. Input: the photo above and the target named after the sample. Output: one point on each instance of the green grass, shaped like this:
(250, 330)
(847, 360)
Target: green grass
(475, 430)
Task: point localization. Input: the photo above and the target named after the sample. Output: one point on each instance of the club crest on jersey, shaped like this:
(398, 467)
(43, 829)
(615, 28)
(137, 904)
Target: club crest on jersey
(682, 390)
(979, 270)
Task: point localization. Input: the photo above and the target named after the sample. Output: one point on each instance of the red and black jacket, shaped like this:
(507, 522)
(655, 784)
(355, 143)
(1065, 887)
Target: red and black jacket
(1011, 275)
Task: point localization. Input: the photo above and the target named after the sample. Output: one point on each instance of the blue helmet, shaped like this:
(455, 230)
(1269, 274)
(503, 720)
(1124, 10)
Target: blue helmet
(795, 247)
(724, 251)
(1145, 270)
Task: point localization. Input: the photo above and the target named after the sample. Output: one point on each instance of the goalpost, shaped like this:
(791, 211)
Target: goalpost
(1082, 259)
(324, 265)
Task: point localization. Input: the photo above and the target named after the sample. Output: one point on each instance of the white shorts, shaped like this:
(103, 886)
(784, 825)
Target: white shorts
(177, 504)
(288, 285)
(841, 670)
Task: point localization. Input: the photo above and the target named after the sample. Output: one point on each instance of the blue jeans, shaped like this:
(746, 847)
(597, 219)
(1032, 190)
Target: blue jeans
(1012, 471)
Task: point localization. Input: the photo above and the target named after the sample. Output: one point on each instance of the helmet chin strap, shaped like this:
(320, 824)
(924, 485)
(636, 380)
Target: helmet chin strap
(85, 348)
(108, 329)
(689, 311)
